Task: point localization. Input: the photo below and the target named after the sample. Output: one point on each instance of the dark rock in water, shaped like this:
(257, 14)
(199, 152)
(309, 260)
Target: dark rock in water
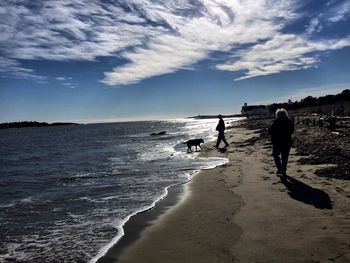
(159, 133)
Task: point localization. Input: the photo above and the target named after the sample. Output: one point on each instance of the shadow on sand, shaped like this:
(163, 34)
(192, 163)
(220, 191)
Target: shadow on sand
(306, 194)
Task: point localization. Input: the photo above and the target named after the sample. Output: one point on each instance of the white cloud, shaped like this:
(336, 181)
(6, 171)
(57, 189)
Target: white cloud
(181, 33)
(340, 12)
(159, 37)
(12, 68)
(314, 26)
(65, 81)
(63, 78)
(69, 85)
(215, 26)
(69, 30)
(284, 52)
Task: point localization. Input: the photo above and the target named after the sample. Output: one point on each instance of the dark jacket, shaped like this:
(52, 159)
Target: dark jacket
(221, 126)
(281, 132)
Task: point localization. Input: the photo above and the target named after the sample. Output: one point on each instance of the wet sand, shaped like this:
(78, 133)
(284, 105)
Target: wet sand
(243, 212)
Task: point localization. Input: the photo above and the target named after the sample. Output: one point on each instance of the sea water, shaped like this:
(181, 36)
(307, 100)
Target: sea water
(67, 191)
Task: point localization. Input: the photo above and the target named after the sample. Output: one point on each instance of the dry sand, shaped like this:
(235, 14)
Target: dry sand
(243, 212)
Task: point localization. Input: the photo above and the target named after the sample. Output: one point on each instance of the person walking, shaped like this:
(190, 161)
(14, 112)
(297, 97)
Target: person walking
(281, 132)
(221, 135)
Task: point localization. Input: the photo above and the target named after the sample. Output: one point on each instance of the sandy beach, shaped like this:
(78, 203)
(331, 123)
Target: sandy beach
(243, 212)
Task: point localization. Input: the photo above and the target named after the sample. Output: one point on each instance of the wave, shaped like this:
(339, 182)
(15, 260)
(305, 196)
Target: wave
(101, 183)
(120, 227)
(170, 148)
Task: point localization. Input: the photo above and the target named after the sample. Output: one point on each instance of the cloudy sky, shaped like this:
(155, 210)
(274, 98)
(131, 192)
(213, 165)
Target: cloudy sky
(96, 60)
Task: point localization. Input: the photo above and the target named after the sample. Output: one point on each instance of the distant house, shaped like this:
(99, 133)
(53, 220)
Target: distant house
(254, 110)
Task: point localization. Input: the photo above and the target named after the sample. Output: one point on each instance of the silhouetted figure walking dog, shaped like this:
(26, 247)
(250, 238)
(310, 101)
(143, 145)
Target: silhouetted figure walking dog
(281, 137)
(221, 129)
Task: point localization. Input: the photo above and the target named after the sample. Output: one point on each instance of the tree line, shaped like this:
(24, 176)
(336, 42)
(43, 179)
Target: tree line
(24, 124)
(311, 101)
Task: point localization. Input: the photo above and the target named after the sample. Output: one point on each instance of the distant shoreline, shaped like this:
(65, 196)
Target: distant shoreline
(28, 124)
(215, 116)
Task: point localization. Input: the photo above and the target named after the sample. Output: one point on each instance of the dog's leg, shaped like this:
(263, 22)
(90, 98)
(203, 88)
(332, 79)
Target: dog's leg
(200, 146)
(196, 149)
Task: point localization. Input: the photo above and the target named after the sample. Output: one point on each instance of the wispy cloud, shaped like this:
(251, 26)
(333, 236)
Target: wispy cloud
(69, 30)
(211, 26)
(65, 81)
(63, 78)
(69, 85)
(332, 13)
(12, 68)
(160, 37)
(314, 25)
(284, 52)
(340, 12)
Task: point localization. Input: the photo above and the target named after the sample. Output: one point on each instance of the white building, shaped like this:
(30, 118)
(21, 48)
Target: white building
(254, 110)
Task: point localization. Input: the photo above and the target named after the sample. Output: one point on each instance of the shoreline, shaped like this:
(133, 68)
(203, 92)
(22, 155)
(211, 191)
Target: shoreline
(242, 212)
(136, 223)
(177, 195)
(133, 227)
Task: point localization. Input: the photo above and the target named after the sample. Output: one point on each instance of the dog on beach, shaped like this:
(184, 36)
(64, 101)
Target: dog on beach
(194, 142)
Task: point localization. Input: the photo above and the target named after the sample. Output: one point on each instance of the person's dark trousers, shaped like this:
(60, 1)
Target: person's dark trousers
(221, 136)
(280, 154)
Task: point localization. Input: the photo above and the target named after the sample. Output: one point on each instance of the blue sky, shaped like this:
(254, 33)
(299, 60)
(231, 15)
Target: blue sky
(95, 61)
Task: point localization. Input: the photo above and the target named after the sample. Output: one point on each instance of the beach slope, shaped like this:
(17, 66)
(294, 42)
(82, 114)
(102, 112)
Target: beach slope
(243, 212)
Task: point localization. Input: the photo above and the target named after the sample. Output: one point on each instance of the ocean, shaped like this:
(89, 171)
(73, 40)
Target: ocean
(67, 191)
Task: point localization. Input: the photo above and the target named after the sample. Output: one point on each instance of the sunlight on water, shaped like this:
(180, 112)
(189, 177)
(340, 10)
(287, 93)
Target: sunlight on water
(67, 191)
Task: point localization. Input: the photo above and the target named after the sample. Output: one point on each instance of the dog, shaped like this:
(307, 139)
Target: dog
(194, 142)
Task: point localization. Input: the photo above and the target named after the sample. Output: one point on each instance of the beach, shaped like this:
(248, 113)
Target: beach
(103, 107)
(242, 212)
(80, 184)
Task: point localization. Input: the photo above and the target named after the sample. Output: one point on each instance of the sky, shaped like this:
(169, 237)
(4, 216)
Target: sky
(100, 61)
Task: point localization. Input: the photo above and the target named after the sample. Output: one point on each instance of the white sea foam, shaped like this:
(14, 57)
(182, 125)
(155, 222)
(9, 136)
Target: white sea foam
(27, 200)
(8, 205)
(157, 152)
(100, 208)
(121, 223)
(194, 128)
(116, 160)
(87, 175)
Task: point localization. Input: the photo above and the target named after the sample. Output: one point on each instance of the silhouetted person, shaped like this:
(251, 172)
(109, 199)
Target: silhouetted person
(332, 121)
(221, 129)
(281, 137)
